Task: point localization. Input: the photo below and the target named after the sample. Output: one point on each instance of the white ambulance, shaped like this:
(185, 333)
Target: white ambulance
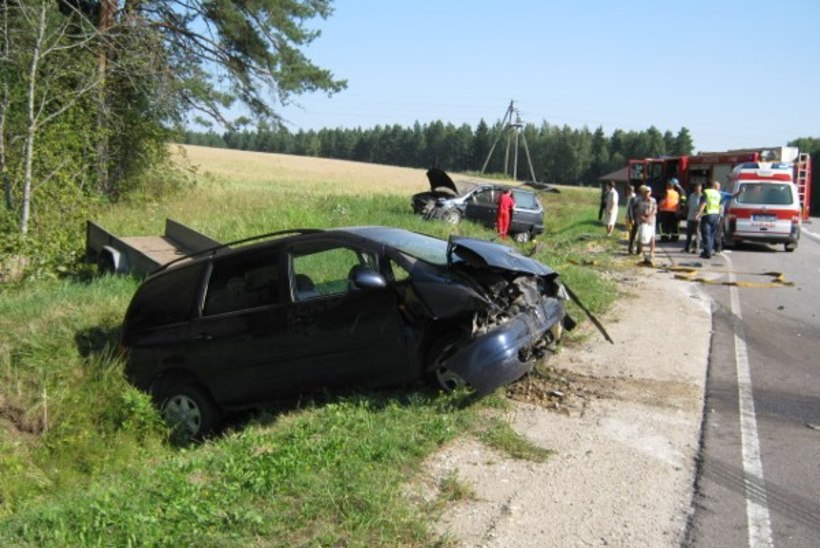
(765, 206)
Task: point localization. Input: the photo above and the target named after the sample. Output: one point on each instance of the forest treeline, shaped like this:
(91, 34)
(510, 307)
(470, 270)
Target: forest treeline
(559, 154)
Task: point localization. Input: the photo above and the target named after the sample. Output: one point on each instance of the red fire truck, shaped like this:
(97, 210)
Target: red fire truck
(716, 166)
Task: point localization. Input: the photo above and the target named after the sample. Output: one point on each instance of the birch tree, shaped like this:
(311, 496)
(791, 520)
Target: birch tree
(46, 51)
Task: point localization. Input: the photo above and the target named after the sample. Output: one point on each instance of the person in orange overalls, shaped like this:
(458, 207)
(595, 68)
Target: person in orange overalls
(506, 204)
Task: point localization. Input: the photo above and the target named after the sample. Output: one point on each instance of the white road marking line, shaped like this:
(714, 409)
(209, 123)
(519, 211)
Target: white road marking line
(757, 510)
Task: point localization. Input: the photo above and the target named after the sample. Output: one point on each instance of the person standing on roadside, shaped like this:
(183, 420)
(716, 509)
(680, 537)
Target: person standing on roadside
(692, 222)
(709, 213)
(611, 209)
(631, 216)
(503, 218)
(668, 212)
(647, 209)
(603, 201)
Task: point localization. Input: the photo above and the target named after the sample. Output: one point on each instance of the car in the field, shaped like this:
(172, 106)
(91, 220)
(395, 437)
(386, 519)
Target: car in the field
(478, 202)
(348, 308)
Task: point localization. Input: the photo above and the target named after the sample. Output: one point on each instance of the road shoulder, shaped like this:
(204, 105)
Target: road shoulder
(625, 452)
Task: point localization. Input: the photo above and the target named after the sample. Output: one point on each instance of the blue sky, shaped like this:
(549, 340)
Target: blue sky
(735, 73)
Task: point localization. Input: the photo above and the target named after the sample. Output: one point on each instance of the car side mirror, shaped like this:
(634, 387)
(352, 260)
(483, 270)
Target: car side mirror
(364, 278)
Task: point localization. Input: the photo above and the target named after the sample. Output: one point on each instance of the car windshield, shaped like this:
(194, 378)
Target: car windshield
(426, 248)
(765, 193)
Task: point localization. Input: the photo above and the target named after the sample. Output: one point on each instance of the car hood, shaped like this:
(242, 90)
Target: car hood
(439, 180)
(481, 253)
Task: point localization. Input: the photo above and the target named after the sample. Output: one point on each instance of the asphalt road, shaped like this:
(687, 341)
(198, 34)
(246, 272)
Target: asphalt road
(759, 476)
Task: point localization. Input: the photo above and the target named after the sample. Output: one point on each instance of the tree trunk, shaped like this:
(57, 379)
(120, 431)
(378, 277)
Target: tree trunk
(4, 175)
(31, 123)
(4, 108)
(106, 21)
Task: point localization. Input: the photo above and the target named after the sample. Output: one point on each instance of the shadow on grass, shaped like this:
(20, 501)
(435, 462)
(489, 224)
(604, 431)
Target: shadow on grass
(97, 340)
(268, 414)
(574, 227)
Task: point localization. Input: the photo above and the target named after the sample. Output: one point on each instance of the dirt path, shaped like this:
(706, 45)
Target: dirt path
(624, 421)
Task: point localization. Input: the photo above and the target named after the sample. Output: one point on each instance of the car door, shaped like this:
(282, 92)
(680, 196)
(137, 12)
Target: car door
(241, 332)
(482, 206)
(340, 334)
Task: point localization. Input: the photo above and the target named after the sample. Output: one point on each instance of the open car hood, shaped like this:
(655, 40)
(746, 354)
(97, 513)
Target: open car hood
(481, 253)
(439, 180)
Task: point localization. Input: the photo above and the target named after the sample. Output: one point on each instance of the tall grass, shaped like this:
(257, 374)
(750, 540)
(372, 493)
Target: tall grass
(84, 459)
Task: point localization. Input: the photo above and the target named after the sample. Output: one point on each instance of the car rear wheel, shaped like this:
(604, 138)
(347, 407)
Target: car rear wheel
(522, 237)
(189, 411)
(790, 246)
(451, 216)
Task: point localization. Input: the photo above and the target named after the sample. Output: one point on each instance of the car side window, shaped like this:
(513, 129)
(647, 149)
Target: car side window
(242, 282)
(398, 272)
(485, 197)
(325, 272)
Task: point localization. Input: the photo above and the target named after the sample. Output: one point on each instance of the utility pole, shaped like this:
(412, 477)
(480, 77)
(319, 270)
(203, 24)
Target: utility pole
(513, 130)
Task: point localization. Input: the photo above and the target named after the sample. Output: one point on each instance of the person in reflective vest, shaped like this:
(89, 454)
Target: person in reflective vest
(668, 212)
(709, 214)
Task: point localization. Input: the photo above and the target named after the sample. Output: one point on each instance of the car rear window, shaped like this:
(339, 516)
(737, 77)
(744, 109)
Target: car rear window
(525, 200)
(766, 193)
(165, 299)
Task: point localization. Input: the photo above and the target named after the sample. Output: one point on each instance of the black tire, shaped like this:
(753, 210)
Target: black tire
(790, 246)
(452, 216)
(189, 411)
(522, 237)
(439, 374)
(105, 263)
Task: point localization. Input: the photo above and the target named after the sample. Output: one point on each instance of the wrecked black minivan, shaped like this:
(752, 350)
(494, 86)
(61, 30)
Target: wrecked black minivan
(318, 310)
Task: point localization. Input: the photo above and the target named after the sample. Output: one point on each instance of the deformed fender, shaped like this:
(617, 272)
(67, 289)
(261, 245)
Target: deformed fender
(492, 359)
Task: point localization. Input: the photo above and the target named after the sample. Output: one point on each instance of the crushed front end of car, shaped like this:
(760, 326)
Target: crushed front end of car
(519, 317)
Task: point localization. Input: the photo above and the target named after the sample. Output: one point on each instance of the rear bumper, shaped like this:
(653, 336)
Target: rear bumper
(494, 359)
(778, 234)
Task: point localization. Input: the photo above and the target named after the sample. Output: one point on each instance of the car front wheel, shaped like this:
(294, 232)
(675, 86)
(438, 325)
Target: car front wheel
(452, 216)
(441, 349)
(449, 381)
(189, 411)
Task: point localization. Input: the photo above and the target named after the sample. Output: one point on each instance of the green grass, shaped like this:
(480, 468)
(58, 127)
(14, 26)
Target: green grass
(84, 459)
(499, 435)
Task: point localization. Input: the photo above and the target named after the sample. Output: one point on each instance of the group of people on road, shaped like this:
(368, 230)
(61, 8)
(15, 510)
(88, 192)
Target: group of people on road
(645, 217)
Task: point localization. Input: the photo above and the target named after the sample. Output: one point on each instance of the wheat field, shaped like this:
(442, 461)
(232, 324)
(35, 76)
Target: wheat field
(313, 175)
